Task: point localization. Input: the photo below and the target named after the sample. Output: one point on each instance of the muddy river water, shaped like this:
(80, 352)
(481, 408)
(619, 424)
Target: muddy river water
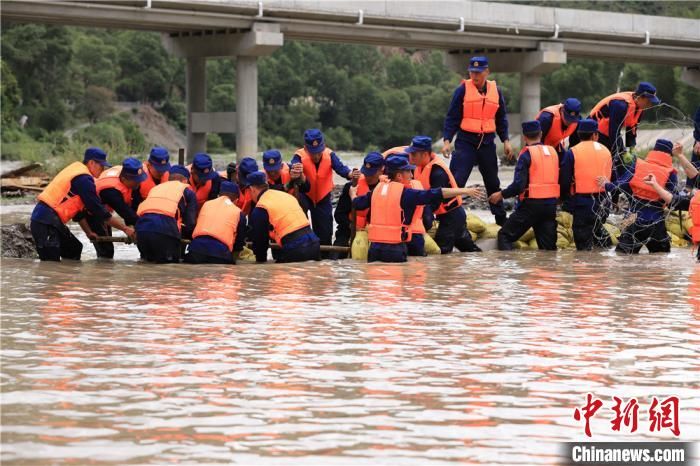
(472, 359)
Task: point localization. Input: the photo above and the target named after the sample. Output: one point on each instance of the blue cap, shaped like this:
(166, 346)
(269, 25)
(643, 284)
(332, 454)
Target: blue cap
(531, 127)
(420, 143)
(203, 167)
(664, 145)
(397, 163)
(229, 187)
(372, 163)
(96, 154)
(180, 170)
(478, 64)
(572, 110)
(646, 89)
(159, 159)
(272, 160)
(256, 178)
(247, 166)
(132, 169)
(313, 141)
(587, 126)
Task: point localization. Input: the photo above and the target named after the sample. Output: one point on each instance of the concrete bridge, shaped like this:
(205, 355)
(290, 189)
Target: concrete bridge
(517, 38)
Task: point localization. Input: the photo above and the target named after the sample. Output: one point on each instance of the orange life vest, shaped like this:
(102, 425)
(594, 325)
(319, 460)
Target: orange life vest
(479, 110)
(694, 212)
(164, 200)
(218, 219)
(57, 194)
(285, 177)
(631, 118)
(543, 173)
(386, 224)
(321, 178)
(284, 213)
(110, 179)
(557, 133)
(394, 150)
(417, 226)
(361, 215)
(658, 163)
(591, 160)
(422, 174)
(244, 201)
(150, 182)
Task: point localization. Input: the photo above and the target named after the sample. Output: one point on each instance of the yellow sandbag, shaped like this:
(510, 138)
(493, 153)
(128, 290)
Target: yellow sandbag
(688, 226)
(473, 235)
(565, 219)
(673, 226)
(521, 245)
(433, 229)
(431, 247)
(562, 242)
(678, 242)
(491, 231)
(246, 255)
(360, 246)
(613, 231)
(567, 233)
(533, 244)
(475, 224)
(528, 236)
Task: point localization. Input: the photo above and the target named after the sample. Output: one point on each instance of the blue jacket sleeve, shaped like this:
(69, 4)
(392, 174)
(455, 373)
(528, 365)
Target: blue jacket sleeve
(545, 120)
(454, 114)
(338, 166)
(521, 177)
(502, 118)
(362, 202)
(618, 111)
(188, 212)
(566, 173)
(260, 233)
(84, 186)
(304, 187)
(415, 197)
(113, 198)
(240, 233)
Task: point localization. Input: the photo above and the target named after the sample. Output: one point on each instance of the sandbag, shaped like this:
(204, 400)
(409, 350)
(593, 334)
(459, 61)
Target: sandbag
(490, 232)
(614, 233)
(473, 235)
(475, 224)
(562, 241)
(565, 219)
(359, 250)
(431, 247)
(433, 229)
(528, 236)
(678, 242)
(567, 233)
(521, 245)
(533, 244)
(246, 255)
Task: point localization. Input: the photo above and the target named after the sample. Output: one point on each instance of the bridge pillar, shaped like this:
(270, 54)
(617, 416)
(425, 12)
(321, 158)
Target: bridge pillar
(691, 76)
(246, 47)
(531, 64)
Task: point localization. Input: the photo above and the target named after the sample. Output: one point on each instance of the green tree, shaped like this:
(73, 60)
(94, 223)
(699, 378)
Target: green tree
(11, 96)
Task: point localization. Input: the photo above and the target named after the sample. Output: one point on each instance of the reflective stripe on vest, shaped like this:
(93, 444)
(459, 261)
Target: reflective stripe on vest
(658, 163)
(557, 133)
(284, 213)
(591, 160)
(361, 215)
(150, 182)
(631, 118)
(694, 212)
(218, 219)
(422, 174)
(417, 226)
(386, 223)
(544, 172)
(394, 150)
(320, 179)
(164, 200)
(479, 110)
(57, 194)
(110, 179)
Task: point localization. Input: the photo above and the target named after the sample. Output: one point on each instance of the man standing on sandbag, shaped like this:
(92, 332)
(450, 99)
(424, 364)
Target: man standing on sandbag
(433, 173)
(476, 114)
(536, 182)
(580, 168)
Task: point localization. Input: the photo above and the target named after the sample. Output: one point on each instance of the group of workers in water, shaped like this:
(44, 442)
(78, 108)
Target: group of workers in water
(395, 195)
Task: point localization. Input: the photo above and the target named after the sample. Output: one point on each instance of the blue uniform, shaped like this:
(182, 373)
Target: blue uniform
(52, 238)
(540, 214)
(298, 246)
(322, 212)
(114, 199)
(207, 249)
(410, 199)
(476, 149)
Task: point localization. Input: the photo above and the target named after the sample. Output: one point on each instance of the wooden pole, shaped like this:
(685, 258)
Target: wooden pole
(125, 239)
(181, 156)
